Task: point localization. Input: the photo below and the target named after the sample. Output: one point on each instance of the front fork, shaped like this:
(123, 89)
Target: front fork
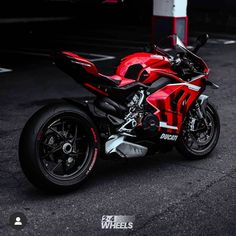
(201, 106)
(200, 112)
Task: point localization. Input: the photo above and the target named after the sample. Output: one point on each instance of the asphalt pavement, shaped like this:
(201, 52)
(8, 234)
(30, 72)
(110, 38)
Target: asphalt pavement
(167, 194)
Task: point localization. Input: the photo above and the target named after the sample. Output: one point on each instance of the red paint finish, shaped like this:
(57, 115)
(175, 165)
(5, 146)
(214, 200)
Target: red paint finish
(174, 30)
(94, 135)
(154, 66)
(163, 101)
(186, 31)
(171, 102)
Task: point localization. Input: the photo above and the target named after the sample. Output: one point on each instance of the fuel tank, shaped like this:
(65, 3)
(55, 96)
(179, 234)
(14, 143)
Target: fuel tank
(145, 67)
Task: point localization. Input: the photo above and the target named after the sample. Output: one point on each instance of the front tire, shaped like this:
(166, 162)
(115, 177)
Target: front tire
(193, 145)
(58, 147)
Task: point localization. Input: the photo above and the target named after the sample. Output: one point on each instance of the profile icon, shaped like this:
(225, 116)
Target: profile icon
(18, 220)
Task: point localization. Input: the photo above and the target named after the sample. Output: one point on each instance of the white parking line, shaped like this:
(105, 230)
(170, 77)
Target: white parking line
(100, 57)
(4, 70)
(222, 41)
(230, 42)
(94, 57)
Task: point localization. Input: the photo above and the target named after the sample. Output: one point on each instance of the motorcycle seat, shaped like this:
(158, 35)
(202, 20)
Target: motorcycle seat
(80, 68)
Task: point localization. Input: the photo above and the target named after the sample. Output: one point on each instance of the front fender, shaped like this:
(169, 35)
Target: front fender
(203, 100)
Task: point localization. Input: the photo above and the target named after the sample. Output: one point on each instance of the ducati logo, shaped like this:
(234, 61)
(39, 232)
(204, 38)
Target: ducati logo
(169, 137)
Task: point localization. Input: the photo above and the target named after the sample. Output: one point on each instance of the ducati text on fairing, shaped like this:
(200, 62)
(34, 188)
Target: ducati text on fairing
(169, 137)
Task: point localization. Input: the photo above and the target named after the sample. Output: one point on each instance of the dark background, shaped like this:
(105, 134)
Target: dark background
(168, 195)
(29, 21)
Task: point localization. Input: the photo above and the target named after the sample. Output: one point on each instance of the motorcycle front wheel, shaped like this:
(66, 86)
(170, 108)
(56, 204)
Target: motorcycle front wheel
(199, 143)
(58, 147)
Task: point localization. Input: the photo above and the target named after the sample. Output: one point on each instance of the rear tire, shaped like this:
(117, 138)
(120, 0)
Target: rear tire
(58, 147)
(205, 147)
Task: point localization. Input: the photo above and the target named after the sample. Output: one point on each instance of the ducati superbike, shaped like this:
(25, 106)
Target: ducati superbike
(152, 103)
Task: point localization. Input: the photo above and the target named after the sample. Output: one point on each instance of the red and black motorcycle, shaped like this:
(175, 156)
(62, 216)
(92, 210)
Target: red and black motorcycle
(153, 102)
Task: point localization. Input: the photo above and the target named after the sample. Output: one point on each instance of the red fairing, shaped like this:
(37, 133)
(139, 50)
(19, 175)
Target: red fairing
(173, 101)
(153, 67)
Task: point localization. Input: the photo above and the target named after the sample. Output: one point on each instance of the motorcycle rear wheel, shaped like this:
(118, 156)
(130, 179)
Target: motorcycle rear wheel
(197, 148)
(58, 147)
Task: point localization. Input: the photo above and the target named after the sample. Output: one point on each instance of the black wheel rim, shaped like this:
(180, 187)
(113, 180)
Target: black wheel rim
(64, 147)
(200, 141)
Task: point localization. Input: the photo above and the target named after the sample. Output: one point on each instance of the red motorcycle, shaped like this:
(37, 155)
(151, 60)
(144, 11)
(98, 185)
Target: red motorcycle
(153, 103)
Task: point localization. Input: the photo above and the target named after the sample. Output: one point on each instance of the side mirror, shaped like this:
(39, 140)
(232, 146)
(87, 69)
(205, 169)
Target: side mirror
(201, 40)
